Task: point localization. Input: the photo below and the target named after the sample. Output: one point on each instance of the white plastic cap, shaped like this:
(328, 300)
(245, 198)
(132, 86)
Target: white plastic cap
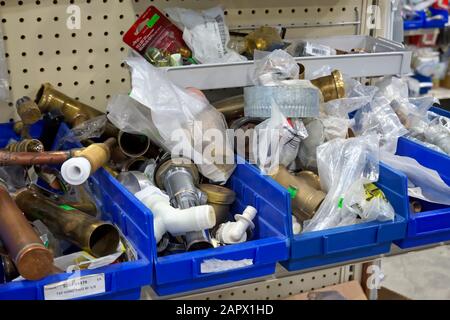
(76, 171)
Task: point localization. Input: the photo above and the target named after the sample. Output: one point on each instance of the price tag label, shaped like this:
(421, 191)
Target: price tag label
(75, 287)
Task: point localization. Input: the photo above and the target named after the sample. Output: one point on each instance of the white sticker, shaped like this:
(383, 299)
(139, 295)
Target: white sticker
(75, 287)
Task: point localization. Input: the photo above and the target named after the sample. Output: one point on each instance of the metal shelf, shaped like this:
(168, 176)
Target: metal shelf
(387, 58)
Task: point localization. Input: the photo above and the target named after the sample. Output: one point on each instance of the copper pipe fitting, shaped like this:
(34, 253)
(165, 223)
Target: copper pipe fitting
(133, 145)
(332, 86)
(28, 111)
(415, 206)
(33, 158)
(75, 112)
(97, 237)
(27, 145)
(98, 154)
(221, 199)
(305, 191)
(32, 259)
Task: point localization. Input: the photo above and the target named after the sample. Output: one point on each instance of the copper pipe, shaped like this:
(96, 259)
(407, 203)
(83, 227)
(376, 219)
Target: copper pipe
(97, 237)
(133, 145)
(27, 145)
(32, 259)
(32, 158)
(75, 112)
(305, 191)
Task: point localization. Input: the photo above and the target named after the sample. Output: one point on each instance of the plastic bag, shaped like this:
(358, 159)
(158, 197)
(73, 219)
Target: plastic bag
(438, 133)
(188, 125)
(379, 118)
(206, 34)
(130, 116)
(4, 79)
(342, 164)
(92, 128)
(276, 141)
(307, 150)
(273, 67)
(433, 188)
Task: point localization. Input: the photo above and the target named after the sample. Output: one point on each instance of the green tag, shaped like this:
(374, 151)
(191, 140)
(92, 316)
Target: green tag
(292, 191)
(151, 22)
(66, 207)
(341, 201)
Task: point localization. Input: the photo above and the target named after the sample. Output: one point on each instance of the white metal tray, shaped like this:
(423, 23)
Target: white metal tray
(385, 58)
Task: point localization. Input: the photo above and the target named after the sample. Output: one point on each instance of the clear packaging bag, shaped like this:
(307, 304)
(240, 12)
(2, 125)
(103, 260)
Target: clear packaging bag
(343, 164)
(206, 34)
(130, 116)
(273, 67)
(4, 80)
(307, 150)
(438, 133)
(432, 187)
(188, 125)
(379, 118)
(276, 141)
(92, 128)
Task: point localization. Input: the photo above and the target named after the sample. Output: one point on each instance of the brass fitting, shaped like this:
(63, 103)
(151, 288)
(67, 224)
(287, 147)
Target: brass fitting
(18, 127)
(97, 237)
(27, 145)
(32, 259)
(305, 191)
(75, 112)
(301, 74)
(135, 164)
(28, 111)
(332, 86)
(221, 199)
(97, 154)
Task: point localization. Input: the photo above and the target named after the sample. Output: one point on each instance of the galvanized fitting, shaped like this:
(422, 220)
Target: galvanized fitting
(221, 199)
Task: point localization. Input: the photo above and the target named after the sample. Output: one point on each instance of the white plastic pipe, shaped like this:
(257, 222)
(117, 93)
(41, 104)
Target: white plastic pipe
(76, 171)
(175, 221)
(236, 232)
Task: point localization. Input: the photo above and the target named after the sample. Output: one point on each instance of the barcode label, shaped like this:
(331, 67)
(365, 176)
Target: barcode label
(222, 32)
(318, 50)
(75, 288)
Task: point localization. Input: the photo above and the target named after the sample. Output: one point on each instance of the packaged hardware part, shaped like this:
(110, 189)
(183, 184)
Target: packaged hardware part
(206, 34)
(343, 165)
(155, 38)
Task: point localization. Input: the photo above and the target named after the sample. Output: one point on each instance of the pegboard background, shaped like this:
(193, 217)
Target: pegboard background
(87, 64)
(278, 286)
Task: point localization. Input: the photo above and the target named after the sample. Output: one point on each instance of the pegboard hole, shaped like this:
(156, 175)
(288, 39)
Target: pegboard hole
(267, 11)
(41, 69)
(75, 83)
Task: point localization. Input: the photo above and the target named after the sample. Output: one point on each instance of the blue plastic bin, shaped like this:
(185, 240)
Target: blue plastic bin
(432, 225)
(436, 23)
(417, 22)
(336, 245)
(181, 272)
(122, 280)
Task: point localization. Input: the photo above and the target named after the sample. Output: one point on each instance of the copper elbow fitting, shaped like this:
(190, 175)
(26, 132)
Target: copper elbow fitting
(305, 191)
(332, 86)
